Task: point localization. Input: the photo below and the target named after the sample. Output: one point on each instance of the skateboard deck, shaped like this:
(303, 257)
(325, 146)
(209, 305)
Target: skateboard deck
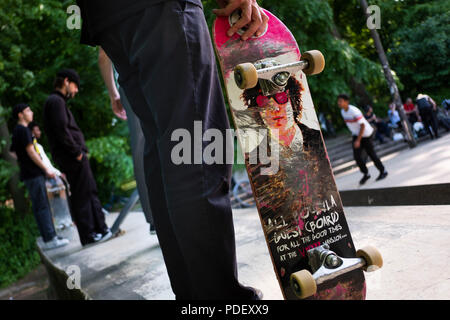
(286, 160)
(57, 191)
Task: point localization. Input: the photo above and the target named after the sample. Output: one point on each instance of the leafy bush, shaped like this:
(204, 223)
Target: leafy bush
(5, 173)
(18, 253)
(111, 163)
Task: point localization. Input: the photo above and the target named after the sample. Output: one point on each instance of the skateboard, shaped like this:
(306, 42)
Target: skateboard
(57, 193)
(276, 125)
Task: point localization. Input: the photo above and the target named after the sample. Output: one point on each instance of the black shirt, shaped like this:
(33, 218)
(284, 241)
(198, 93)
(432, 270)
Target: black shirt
(64, 136)
(368, 116)
(97, 15)
(21, 138)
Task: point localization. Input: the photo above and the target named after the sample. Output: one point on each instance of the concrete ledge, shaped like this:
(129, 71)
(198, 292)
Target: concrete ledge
(128, 267)
(58, 289)
(131, 266)
(434, 194)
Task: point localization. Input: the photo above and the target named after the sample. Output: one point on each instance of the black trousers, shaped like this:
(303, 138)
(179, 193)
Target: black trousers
(85, 206)
(137, 142)
(429, 118)
(167, 69)
(366, 144)
(41, 208)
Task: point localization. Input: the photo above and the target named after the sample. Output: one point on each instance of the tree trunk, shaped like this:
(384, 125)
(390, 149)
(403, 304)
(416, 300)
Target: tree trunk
(390, 80)
(17, 193)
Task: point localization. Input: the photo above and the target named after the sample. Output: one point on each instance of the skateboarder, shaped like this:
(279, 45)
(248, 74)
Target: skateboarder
(163, 54)
(69, 150)
(32, 172)
(121, 108)
(362, 133)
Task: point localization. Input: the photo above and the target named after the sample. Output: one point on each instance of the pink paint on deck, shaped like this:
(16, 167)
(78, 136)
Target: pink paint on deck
(276, 31)
(301, 223)
(277, 40)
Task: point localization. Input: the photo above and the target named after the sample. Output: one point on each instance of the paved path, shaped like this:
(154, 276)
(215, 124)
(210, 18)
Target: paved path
(31, 287)
(413, 240)
(428, 163)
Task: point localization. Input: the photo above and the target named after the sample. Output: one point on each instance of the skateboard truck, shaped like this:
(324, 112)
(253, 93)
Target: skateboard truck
(246, 75)
(327, 265)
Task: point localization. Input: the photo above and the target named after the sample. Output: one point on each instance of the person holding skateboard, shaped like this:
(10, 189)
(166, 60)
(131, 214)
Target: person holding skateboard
(33, 171)
(163, 53)
(36, 133)
(69, 152)
(362, 133)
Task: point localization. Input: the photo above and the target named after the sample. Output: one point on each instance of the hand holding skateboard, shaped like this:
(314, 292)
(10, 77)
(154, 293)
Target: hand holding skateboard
(252, 16)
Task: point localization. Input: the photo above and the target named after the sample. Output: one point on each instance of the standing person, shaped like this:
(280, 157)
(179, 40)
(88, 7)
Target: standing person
(61, 218)
(427, 109)
(69, 151)
(36, 133)
(361, 132)
(32, 172)
(121, 108)
(163, 53)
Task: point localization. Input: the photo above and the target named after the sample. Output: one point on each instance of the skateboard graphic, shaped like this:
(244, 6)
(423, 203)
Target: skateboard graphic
(288, 167)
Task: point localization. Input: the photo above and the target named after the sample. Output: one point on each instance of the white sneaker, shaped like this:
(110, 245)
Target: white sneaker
(56, 242)
(97, 237)
(106, 236)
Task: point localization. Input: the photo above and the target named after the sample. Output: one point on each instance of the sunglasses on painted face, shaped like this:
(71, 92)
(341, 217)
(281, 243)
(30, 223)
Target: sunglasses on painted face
(280, 98)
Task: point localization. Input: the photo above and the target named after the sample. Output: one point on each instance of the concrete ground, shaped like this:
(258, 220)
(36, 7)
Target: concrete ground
(414, 242)
(428, 163)
(31, 287)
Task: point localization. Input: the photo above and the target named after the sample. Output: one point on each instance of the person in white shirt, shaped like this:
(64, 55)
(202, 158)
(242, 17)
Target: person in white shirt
(362, 132)
(36, 132)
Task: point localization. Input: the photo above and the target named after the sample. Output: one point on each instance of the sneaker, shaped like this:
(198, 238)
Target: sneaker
(55, 243)
(105, 236)
(152, 229)
(97, 237)
(364, 179)
(382, 175)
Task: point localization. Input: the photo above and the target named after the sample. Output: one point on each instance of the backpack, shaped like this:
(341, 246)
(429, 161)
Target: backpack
(424, 103)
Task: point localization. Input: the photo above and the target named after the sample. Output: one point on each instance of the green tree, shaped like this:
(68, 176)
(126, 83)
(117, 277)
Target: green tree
(34, 44)
(414, 35)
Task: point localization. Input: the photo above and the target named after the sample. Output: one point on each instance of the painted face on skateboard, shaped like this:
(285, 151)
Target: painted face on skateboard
(279, 111)
(276, 111)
